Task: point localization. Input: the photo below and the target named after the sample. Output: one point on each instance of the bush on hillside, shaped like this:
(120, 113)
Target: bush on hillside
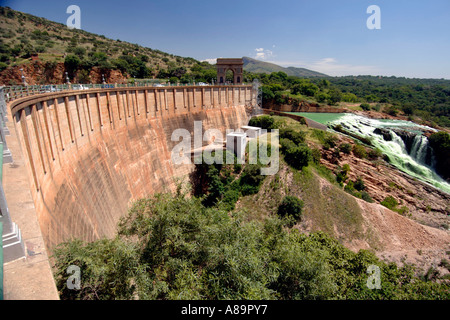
(345, 148)
(295, 136)
(440, 142)
(291, 208)
(298, 157)
(359, 151)
(265, 122)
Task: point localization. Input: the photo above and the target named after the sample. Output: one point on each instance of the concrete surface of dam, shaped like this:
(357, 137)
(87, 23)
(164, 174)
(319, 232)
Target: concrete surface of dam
(89, 153)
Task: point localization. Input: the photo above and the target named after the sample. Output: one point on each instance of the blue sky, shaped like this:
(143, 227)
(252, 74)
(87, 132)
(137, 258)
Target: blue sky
(322, 35)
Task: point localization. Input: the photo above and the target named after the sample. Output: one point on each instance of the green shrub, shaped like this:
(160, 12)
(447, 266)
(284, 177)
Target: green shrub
(330, 141)
(374, 154)
(365, 106)
(316, 155)
(346, 168)
(298, 157)
(295, 136)
(3, 66)
(345, 148)
(392, 110)
(402, 210)
(251, 179)
(366, 196)
(359, 184)
(172, 247)
(291, 208)
(72, 62)
(389, 202)
(336, 154)
(359, 151)
(265, 122)
(349, 187)
(341, 176)
(286, 144)
(230, 197)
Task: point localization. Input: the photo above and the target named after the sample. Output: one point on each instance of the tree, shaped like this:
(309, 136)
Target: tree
(365, 106)
(83, 76)
(334, 95)
(298, 157)
(72, 62)
(79, 51)
(359, 151)
(295, 136)
(174, 80)
(321, 97)
(305, 87)
(291, 207)
(345, 148)
(265, 122)
(440, 142)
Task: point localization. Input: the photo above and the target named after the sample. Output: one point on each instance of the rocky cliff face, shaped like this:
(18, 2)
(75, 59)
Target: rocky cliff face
(426, 204)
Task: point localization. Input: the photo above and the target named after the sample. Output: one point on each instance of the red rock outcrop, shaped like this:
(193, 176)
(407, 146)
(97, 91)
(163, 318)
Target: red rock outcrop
(38, 72)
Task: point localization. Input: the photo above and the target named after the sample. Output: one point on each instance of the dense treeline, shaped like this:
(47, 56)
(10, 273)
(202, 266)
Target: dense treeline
(428, 99)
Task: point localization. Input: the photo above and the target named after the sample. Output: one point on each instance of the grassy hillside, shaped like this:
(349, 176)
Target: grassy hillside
(22, 35)
(257, 66)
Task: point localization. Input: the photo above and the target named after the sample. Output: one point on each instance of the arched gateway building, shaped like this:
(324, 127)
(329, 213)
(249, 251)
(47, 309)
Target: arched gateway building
(235, 65)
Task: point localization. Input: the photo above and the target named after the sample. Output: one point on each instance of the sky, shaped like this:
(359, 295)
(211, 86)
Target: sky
(327, 36)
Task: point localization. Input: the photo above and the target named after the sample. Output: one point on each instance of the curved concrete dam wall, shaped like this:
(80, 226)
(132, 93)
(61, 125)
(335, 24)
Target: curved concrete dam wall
(90, 153)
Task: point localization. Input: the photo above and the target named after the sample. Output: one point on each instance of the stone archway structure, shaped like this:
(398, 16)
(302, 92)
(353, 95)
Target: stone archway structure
(235, 65)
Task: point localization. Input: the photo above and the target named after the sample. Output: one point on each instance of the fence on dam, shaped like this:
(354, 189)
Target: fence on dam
(12, 246)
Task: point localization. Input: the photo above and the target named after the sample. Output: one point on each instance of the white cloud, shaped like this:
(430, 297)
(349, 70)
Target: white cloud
(263, 54)
(210, 61)
(330, 66)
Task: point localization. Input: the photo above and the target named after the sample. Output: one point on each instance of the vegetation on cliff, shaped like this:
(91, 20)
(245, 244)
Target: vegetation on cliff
(440, 142)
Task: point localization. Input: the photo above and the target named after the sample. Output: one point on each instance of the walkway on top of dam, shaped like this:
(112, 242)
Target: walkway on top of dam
(29, 278)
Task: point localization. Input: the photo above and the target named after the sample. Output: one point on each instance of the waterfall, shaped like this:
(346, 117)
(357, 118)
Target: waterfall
(401, 141)
(419, 149)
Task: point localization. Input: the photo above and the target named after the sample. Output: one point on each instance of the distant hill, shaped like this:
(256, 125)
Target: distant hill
(257, 66)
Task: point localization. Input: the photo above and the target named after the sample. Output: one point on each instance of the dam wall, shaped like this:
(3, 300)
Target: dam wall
(90, 153)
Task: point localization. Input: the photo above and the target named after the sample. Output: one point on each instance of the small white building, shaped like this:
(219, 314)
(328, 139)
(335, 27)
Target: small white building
(236, 143)
(252, 132)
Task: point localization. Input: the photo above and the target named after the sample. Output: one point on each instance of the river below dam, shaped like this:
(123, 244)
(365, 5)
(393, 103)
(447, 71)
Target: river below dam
(403, 142)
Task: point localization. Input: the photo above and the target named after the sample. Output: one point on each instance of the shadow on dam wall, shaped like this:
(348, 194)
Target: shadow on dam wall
(90, 153)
